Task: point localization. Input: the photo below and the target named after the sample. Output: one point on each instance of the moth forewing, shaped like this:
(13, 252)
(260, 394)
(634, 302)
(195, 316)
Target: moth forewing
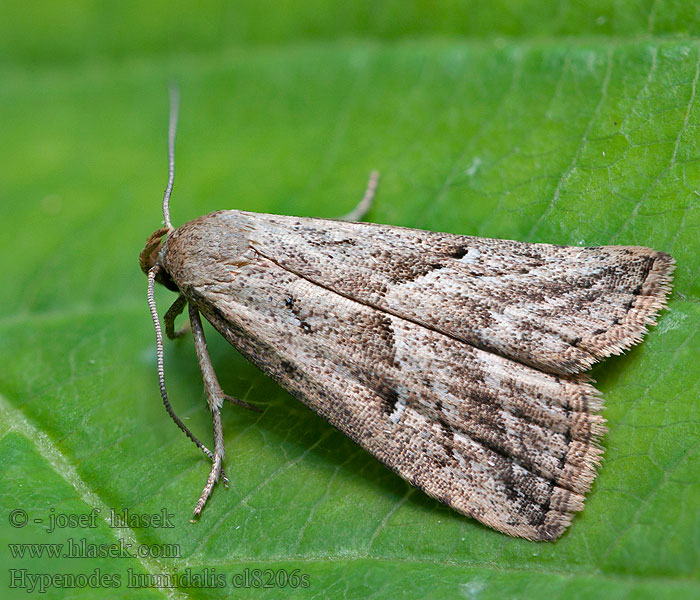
(398, 342)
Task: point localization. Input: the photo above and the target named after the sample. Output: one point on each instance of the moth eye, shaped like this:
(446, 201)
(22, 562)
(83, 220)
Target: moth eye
(164, 278)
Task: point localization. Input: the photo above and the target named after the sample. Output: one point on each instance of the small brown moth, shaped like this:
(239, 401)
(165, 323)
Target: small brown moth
(457, 361)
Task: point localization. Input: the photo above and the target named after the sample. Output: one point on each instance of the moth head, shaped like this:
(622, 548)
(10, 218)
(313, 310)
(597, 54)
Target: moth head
(149, 257)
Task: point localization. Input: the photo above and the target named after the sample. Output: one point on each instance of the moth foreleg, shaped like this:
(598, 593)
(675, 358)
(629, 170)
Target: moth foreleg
(216, 469)
(215, 398)
(173, 312)
(362, 208)
(152, 273)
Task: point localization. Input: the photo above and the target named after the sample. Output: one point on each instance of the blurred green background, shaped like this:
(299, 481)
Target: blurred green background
(565, 122)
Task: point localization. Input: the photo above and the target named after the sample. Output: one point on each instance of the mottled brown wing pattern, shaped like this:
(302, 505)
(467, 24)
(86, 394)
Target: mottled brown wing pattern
(504, 443)
(418, 345)
(558, 308)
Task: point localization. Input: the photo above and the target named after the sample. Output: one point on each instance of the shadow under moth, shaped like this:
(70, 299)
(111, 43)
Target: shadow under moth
(457, 361)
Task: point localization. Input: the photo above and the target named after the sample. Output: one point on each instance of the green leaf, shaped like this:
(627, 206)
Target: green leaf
(590, 140)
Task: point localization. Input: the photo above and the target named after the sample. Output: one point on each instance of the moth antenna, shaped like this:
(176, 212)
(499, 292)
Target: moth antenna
(152, 273)
(362, 208)
(172, 128)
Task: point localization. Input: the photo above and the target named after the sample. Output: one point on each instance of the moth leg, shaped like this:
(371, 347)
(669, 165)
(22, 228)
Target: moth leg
(215, 398)
(357, 213)
(161, 371)
(243, 403)
(173, 312)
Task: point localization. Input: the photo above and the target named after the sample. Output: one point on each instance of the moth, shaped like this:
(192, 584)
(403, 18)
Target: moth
(459, 362)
